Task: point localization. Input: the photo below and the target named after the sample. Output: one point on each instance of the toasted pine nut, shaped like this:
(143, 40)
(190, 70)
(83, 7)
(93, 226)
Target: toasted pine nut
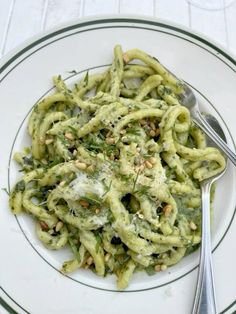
(148, 164)
(157, 268)
(97, 210)
(152, 133)
(143, 122)
(89, 261)
(192, 225)
(84, 203)
(48, 141)
(152, 125)
(110, 140)
(152, 160)
(43, 225)
(69, 136)
(122, 132)
(163, 267)
(157, 132)
(80, 165)
(107, 257)
(167, 210)
(59, 225)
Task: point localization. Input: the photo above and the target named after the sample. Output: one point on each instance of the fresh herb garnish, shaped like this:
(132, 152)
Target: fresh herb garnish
(99, 241)
(135, 180)
(73, 130)
(150, 270)
(86, 78)
(92, 200)
(63, 139)
(107, 188)
(74, 250)
(143, 190)
(20, 186)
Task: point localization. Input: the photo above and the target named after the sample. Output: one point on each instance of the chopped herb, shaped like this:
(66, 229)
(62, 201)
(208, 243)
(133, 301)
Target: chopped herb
(99, 241)
(74, 250)
(73, 130)
(63, 139)
(150, 270)
(135, 180)
(142, 190)
(125, 177)
(133, 131)
(5, 190)
(92, 200)
(107, 189)
(86, 78)
(28, 161)
(20, 186)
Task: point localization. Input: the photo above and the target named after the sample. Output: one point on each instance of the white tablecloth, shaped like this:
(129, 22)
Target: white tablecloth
(20, 19)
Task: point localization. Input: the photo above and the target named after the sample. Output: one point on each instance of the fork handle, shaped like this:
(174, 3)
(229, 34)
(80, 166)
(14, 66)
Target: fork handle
(204, 302)
(202, 124)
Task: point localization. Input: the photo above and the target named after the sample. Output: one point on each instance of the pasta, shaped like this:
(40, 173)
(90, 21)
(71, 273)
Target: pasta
(114, 170)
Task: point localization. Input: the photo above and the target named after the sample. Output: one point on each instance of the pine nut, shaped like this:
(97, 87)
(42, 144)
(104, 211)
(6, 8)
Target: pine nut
(167, 210)
(152, 125)
(157, 132)
(163, 267)
(43, 225)
(48, 141)
(107, 257)
(148, 164)
(152, 160)
(110, 140)
(80, 165)
(157, 268)
(152, 133)
(97, 211)
(192, 225)
(69, 136)
(59, 225)
(84, 203)
(143, 122)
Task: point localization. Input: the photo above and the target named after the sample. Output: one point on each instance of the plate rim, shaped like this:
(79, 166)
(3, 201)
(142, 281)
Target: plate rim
(15, 53)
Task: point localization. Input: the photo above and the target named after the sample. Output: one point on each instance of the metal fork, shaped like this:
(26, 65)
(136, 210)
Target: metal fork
(189, 100)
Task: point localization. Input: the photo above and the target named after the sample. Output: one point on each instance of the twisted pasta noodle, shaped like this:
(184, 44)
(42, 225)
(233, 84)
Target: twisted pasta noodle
(114, 170)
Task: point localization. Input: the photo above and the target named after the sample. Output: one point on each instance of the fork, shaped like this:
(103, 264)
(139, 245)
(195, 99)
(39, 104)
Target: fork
(189, 100)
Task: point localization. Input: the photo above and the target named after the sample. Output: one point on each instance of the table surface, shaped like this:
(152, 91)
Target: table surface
(21, 19)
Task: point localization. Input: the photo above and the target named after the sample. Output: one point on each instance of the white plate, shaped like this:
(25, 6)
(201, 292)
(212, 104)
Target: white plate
(30, 280)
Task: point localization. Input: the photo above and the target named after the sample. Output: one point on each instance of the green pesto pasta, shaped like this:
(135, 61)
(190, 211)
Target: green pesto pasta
(114, 170)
